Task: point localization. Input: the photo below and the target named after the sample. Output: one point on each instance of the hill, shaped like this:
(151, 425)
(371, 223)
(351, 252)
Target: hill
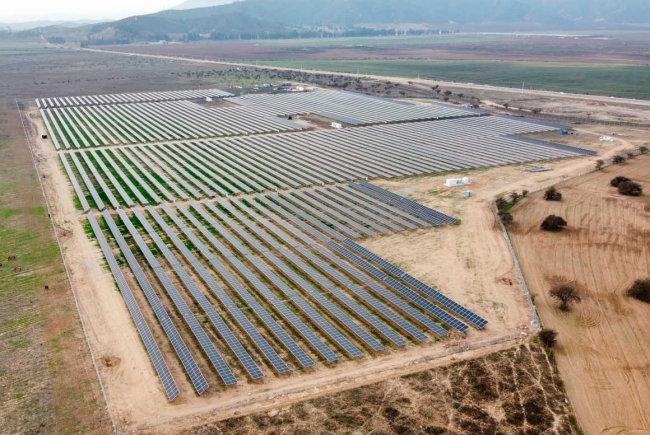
(300, 18)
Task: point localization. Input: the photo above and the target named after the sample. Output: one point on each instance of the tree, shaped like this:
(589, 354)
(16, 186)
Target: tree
(506, 105)
(447, 93)
(506, 218)
(630, 155)
(618, 180)
(536, 111)
(640, 290)
(548, 337)
(630, 188)
(501, 203)
(618, 159)
(600, 164)
(524, 193)
(566, 295)
(643, 149)
(552, 194)
(553, 223)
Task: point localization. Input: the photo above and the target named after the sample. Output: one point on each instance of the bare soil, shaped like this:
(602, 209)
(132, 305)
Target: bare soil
(622, 48)
(602, 350)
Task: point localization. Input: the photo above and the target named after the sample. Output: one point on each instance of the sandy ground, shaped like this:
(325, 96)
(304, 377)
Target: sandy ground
(474, 267)
(603, 343)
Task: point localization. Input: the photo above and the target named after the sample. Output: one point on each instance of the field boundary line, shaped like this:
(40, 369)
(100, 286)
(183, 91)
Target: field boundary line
(67, 271)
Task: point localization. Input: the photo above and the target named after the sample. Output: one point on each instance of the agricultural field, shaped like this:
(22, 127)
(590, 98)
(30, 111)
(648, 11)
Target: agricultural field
(627, 81)
(602, 354)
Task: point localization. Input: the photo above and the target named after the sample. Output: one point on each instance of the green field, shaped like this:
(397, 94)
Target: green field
(617, 80)
(371, 41)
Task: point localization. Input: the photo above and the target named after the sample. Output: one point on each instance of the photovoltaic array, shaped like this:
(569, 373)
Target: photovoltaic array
(236, 236)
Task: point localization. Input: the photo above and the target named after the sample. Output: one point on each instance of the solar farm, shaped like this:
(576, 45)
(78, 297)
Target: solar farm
(235, 235)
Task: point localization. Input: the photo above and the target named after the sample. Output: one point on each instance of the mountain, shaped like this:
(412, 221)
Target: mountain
(353, 12)
(194, 4)
(295, 18)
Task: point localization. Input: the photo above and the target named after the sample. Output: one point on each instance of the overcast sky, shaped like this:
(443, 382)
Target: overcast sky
(13, 11)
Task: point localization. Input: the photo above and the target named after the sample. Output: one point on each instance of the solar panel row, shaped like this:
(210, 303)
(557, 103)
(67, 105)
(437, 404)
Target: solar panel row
(183, 353)
(130, 98)
(166, 378)
(130, 123)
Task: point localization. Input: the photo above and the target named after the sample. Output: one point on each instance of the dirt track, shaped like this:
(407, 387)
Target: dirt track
(603, 343)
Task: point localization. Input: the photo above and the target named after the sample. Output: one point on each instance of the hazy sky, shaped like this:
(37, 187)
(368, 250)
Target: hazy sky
(30, 10)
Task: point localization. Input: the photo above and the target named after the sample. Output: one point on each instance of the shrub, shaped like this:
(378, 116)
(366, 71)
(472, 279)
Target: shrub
(618, 180)
(501, 203)
(600, 164)
(553, 223)
(643, 149)
(640, 290)
(514, 197)
(524, 193)
(630, 156)
(566, 295)
(506, 218)
(618, 159)
(552, 194)
(630, 188)
(548, 337)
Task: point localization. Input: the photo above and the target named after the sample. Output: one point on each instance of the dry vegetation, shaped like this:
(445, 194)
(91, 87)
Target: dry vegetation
(509, 392)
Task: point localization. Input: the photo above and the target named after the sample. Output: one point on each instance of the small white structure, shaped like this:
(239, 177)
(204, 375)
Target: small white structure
(337, 125)
(606, 139)
(453, 182)
(208, 99)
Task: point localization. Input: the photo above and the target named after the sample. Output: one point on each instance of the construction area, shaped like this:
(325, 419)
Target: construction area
(229, 259)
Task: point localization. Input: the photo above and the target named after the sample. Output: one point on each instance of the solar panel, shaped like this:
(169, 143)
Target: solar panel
(199, 333)
(183, 353)
(278, 364)
(414, 204)
(405, 291)
(282, 335)
(341, 340)
(437, 296)
(89, 185)
(166, 378)
(434, 220)
(75, 183)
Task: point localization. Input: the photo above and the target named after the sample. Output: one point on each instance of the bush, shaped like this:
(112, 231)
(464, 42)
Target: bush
(566, 295)
(501, 203)
(600, 164)
(524, 193)
(643, 149)
(506, 218)
(618, 159)
(514, 197)
(630, 188)
(618, 180)
(548, 337)
(552, 194)
(640, 290)
(553, 223)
